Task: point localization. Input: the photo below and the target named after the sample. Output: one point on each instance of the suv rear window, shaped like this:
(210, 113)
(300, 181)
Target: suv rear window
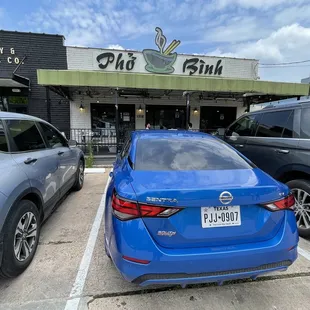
(3, 141)
(187, 154)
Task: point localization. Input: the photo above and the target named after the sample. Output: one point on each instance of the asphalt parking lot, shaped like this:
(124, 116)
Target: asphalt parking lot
(70, 271)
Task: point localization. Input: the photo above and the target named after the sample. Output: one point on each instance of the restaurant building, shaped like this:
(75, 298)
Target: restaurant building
(115, 91)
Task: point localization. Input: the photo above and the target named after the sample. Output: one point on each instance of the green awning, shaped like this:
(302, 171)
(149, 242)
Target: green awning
(170, 82)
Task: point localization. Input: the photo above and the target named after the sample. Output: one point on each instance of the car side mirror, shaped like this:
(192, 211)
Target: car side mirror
(72, 143)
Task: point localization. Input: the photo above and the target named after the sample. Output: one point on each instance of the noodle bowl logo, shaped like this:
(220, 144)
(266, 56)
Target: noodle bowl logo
(162, 60)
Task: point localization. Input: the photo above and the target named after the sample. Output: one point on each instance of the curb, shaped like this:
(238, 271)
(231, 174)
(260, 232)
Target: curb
(94, 170)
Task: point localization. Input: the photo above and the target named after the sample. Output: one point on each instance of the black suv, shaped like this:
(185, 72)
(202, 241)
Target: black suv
(277, 140)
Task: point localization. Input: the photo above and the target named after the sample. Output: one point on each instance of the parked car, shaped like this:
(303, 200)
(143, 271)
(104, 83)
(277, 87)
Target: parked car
(184, 207)
(37, 167)
(277, 140)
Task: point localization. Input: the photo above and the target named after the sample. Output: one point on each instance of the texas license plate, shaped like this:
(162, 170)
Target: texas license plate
(220, 216)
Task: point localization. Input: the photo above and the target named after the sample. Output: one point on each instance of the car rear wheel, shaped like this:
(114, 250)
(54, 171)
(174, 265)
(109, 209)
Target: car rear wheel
(301, 191)
(79, 179)
(21, 237)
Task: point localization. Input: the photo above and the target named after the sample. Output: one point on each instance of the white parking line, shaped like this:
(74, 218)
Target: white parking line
(304, 253)
(94, 170)
(78, 286)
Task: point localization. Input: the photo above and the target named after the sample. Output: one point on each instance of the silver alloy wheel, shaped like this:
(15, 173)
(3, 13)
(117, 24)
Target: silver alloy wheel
(81, 173)
(302, 208)
(25, 236)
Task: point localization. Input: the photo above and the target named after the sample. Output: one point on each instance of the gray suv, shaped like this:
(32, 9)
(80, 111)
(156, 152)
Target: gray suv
(37, 167)
(277, 140)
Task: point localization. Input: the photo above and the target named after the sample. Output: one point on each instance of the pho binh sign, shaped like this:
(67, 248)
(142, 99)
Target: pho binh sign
(163, 60)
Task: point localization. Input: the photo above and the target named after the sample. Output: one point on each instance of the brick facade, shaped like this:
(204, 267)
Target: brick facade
(42, 52)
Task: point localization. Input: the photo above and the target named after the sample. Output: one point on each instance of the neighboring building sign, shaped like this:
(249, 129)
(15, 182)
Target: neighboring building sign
(162, 61)
(9, 55)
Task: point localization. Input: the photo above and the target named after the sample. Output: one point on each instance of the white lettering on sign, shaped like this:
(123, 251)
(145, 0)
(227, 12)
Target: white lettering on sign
(10, 59)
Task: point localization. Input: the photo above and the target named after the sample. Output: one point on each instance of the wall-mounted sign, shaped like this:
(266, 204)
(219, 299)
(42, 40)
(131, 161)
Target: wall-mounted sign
(10, 56)
(163, 60)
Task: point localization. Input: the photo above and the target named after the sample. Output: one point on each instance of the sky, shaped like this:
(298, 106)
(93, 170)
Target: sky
(272, 31)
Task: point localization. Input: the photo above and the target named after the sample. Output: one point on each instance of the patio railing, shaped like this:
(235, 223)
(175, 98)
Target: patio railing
(104, 142)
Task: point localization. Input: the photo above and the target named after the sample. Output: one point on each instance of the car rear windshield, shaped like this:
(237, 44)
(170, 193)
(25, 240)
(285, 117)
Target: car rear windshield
(187, 154)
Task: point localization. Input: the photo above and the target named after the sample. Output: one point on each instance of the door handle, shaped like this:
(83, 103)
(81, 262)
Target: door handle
(60, 153)
(29, 161)
(240, 145)
(283, 151)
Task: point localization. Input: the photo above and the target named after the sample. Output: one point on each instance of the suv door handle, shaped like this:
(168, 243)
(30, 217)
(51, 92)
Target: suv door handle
(29, 161)
(240, 145)
(283, 151)
(60, 153)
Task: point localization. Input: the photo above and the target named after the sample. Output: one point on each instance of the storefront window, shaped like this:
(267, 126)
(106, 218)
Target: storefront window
(17, 104)
(213, 118)
(166, 117)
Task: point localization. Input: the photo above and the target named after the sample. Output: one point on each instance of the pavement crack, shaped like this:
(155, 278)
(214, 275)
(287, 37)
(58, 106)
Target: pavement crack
(194, 286)
(55, 242)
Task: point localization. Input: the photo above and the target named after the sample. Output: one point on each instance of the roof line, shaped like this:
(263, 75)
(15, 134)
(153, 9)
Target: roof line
(34, 33)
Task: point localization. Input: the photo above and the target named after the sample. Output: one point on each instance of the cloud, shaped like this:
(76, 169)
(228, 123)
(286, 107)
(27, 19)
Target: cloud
(237, 29)
(115, 47)
(89, 22)
(289, 15)
(288, 43)
(255, 4)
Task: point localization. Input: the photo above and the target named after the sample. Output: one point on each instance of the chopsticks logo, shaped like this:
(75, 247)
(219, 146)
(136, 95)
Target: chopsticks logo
(163, 59)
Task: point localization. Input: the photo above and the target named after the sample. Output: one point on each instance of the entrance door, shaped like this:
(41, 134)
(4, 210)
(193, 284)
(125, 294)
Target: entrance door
(166, 117)
(212, 118)
(104, 125)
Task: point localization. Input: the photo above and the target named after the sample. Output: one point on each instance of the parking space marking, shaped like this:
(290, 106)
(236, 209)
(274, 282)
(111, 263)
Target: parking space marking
(78, 286)
(94, 170)
(304, 253)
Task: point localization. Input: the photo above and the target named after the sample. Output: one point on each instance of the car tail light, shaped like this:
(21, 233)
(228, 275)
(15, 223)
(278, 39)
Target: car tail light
(286, 203)
(136, 260)
(128, 210)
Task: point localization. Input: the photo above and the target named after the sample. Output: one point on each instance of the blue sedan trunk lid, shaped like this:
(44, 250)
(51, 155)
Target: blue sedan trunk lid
(193, 190)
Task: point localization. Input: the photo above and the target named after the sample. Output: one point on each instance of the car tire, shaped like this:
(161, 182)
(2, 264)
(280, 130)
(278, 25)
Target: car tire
(79, 178)
(21, 239)
(303, 187)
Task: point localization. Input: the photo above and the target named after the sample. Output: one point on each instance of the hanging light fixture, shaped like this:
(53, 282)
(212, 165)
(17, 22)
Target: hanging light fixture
(195, 110)
(82, 107)
(140, 108)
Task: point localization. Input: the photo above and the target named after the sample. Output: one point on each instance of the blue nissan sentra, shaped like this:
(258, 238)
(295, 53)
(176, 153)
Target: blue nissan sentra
(185, 207)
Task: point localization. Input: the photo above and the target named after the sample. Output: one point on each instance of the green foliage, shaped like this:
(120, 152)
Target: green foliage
(90, 157)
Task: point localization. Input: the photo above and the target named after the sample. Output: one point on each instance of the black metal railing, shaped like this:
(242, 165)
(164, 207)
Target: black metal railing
(104, 141)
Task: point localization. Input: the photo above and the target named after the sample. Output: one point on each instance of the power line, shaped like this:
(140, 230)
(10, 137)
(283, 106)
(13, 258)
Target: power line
(275, 67)
(286, 63)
